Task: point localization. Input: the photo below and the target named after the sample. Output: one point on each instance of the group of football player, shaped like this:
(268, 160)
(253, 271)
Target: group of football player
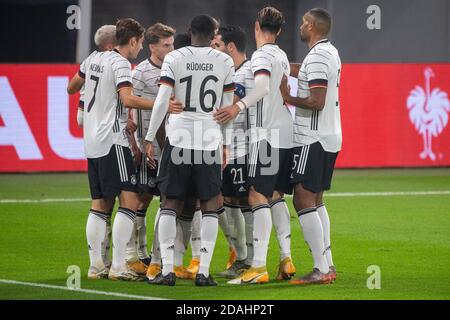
(211, 134)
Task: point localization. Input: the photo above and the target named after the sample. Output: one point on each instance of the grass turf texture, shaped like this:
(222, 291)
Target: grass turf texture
(406, 236)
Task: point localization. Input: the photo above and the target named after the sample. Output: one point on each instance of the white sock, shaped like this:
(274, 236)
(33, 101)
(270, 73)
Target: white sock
(156, 250)
(141, 228)
(121, 234)
(262, 227)
(95, 235)
(196, 234)
(313, 233)
(226, 217)
(181, 239)
(248, 216)
(282, 223)
(209, 237)
(223, 222)
(131, 251)
(239, 239)
(106, 244)
(324, 218)
(167, 232)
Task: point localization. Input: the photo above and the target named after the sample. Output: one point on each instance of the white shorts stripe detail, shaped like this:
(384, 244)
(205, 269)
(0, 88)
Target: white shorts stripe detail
(306, 160)
(119, 162)
(300, 160)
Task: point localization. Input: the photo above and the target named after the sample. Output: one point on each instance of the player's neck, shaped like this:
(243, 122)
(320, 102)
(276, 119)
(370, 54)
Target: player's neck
(124, 52)
(265, 38)
(198, 42)
(314, 39)
(238, 59)
(155, 61)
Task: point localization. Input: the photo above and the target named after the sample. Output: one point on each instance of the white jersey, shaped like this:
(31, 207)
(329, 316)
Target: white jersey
(200, 76)
(104, 118)
(321, 68)
(145, 83)
(273, 119)
(244, 83)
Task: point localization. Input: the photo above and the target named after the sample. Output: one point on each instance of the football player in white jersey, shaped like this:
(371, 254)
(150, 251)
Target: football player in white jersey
(111, 169)
(145, 75)
(191, 164)
(270, 149)
(232, 41)
(317, 139)
(105, 40)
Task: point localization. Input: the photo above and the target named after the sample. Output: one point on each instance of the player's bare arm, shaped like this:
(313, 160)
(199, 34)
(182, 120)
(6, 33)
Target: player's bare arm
(75, 84)
(316, 101)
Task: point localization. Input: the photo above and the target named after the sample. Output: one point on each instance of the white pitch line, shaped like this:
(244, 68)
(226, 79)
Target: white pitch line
(105, 293)
(49, 200)
(330, 194)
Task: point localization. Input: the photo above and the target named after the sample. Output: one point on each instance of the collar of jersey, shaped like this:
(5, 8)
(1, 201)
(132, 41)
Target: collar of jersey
(319, 42)
(241, 64)
(271, 43)
(155, 65)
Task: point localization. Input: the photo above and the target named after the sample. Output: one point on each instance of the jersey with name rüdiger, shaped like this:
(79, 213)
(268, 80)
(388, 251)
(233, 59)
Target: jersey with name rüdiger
(199, 77)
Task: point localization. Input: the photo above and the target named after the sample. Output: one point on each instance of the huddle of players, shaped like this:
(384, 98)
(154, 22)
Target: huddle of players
(203, 89)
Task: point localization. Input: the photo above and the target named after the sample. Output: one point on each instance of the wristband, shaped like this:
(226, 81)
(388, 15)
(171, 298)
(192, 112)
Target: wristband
(241, 105)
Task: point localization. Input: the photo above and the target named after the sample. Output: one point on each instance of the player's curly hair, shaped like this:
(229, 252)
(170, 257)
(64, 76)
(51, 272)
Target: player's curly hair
(270, 19)
(126, 29)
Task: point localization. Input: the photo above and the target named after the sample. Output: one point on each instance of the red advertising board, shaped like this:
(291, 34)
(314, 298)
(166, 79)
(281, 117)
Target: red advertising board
(393, 115)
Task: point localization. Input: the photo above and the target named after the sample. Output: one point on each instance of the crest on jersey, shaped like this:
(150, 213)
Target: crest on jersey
(133, 180)
(428, 111)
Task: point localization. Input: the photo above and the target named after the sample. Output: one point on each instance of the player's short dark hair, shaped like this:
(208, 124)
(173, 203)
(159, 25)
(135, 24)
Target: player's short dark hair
(270, 20)
(181, 40)
(204, 26)
(157, 32)
(322, 20)
(126, 29)
(234, 34)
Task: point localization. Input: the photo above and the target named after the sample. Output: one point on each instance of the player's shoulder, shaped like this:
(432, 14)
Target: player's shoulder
(117, 60)
(181, 53)
(222, 57)
(266, 52)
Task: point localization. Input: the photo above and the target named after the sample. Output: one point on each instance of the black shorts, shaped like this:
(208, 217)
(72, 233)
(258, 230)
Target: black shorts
(147, 177)
(313, 167)
(234, 182)
(111, 174)
(269, 168)
(186, 172)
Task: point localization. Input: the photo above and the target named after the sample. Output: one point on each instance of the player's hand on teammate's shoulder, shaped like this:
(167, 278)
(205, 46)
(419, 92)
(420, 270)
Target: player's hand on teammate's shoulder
(226, 114)
(150, 155)
(285, 89)
(175, 106)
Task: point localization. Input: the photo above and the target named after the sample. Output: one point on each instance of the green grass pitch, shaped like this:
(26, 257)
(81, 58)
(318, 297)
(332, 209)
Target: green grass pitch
(407, 236)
